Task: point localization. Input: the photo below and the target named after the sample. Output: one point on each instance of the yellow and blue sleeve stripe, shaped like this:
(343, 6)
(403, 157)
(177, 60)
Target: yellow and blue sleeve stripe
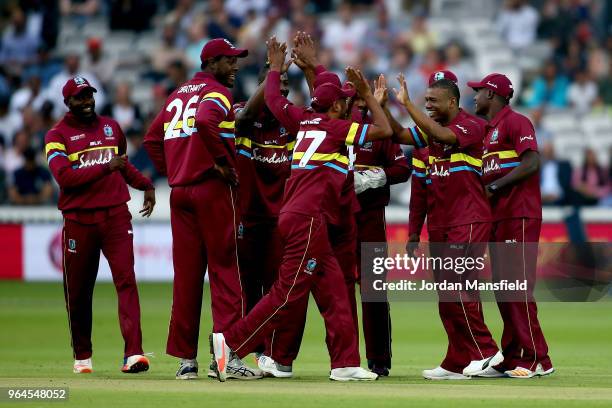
(220, 99)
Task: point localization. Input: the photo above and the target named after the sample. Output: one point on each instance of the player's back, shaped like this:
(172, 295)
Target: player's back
(187, 157)
(320, 164)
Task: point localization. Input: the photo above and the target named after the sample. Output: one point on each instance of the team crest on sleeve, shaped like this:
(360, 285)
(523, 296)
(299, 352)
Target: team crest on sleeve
(367, 145)
(310, 266)
(108, 131)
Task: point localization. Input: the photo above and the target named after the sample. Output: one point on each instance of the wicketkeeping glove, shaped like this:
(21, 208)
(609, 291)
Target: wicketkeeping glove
(366, 179)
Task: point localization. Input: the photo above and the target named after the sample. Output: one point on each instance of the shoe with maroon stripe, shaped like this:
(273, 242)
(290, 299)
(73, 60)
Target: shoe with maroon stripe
(82, 366)
(135, 364)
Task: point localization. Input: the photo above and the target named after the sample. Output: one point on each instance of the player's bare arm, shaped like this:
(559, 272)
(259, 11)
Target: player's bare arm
(380, 128)
(425, 123)
(530, 165)
(304, 54)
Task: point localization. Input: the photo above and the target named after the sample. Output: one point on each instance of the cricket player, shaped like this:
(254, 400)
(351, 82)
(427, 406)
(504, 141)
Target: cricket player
(285, 342)
(422, 204)
(192, 142)
(264, 147)
(455, 152)
(510, 172)
(86, 154)
(378, 165)
(319, 168)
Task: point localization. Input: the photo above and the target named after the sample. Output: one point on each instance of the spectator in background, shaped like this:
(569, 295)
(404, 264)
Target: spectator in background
(72, 68)
(458, 64)
(543, 134)
(402, 60)
(19, 45)
(549, 89)
(10, 121)
(134, 15)
(31, 184)
(176, 74)
(591, 180)
(345, 36)
(80, 10)
(582, 93)
(166, 52)
(220, 23)
(419, 37)
(605, 87)
(139, 156)
(380, 38)
(240, 8)
(98, 62)
(517, 23)
(197, 37)
(13, 156)
(123, 110)
(30, 94)
(46, 65)
(555, 178)
(432, 62)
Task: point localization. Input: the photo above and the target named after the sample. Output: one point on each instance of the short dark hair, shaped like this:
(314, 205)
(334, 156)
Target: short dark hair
(205, 62)
(449, 85)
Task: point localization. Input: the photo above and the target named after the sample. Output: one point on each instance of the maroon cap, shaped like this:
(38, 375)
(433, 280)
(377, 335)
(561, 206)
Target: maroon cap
(498, 83)
(75, 85)
(221, 46)
(439, 75)
(326, 94)
(327, 77)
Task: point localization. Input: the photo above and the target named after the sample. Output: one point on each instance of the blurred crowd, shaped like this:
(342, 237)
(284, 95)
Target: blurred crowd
(34, 65)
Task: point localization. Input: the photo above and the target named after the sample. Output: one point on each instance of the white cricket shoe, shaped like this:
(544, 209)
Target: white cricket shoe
(352, 374)
(188, 369)
(221, 354)
(490, 372)
(82, 366)
(520, 372)
(135, 364)
(271, 368)
(476, 367)
(237, 370)
(440, 373)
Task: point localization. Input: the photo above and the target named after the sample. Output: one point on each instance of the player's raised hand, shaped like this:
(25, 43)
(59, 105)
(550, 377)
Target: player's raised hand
(304, 51)
(117, 163)
(276, 54)
(356, 77)
(149, 203)
(381, 92)
(402, 95)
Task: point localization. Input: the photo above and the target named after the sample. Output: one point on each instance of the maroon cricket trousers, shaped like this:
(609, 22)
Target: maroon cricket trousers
(523, 343)
(461, 312)
(84, 235)
(259, 256)
(376, 319)
(308, 265)
(284, 343)
(203, 218)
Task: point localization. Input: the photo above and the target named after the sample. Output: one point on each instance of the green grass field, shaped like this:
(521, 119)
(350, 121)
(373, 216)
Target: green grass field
(35, 351)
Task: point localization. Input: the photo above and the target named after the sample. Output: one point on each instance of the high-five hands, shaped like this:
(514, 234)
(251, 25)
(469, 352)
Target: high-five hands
(276, 54)
(304, 51)
(381, 92)
(402, 95)
(356, 77)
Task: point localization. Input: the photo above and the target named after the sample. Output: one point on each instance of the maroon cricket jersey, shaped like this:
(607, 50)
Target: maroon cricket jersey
(264, 164)
(193, 131)
(78, 154)
(386, 155)
(509, 135)
(320, 164)
(455, 173)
